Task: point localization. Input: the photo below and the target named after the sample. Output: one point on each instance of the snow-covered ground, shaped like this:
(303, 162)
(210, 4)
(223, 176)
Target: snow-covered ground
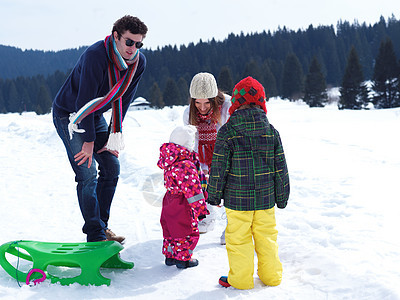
(338, 236)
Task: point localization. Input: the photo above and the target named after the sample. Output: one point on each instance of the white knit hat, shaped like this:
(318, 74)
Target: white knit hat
(203, 86)
(184, 136)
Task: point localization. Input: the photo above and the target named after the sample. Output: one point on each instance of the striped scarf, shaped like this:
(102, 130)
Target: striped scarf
(118, 86)
(202, 177)
(207, 136)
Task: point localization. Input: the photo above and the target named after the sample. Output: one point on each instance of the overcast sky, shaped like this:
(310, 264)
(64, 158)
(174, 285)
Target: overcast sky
(56, 24)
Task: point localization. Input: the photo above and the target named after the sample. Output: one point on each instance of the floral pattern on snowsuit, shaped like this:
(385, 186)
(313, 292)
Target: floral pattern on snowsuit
(183, 202)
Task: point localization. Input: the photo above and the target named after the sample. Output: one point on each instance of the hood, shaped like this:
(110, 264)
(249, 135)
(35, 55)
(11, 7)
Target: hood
(251, 121)
(171, 153)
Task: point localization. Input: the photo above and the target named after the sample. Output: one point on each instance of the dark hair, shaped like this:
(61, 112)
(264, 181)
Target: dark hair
(215, 102)
(133, 24)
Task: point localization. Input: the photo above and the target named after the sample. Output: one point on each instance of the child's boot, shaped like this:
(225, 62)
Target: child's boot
(183, 264)
(223, 280)
(169, 261)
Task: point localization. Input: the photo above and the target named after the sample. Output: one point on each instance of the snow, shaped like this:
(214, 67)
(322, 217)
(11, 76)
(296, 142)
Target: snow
(338, 237)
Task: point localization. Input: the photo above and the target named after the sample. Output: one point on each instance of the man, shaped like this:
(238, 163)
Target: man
(106, 76)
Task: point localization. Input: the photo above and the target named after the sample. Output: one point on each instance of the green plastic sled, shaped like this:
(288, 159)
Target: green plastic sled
(90, 257)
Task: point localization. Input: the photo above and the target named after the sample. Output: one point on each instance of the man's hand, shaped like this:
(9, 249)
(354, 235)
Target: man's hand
(85, 154)
(114, 152)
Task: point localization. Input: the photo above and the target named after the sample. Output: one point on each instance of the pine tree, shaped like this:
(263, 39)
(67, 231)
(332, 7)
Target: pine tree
(171, 95)
(385, 78)
(277, 69)
(25, 99)
(2, 102)
(353, 92)
(156, 97)
(225, 81)
(12, 100)
(43, 101)
(397, 104)
(55, 82)
(252, 69)
(315, 88)
(269, 81)
(292, 80)
(183, 88)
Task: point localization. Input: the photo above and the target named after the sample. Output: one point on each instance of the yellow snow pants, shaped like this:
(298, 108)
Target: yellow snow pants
(244, 227)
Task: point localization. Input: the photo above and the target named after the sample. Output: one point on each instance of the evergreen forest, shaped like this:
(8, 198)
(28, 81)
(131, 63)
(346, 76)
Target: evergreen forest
(362, 60)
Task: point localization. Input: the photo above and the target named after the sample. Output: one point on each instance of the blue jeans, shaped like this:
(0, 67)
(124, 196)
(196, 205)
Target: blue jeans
(95, 191)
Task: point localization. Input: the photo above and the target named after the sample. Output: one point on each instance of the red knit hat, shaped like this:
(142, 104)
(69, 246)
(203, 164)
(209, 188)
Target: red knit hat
(246, 91)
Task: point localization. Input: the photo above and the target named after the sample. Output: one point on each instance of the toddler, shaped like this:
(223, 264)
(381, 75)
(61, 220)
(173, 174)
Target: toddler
(184, 201)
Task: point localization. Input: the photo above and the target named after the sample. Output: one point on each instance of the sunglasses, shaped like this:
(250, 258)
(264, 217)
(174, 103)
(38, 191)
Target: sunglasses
(130, 43)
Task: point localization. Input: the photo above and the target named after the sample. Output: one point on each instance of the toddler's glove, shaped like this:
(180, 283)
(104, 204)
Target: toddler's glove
(200, 209)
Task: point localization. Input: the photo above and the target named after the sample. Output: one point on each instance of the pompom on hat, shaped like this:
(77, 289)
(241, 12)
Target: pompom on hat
(184, 136)
(247, 91)
(203, 86)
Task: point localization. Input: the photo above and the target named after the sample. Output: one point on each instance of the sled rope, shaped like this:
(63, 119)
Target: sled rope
(16, 269)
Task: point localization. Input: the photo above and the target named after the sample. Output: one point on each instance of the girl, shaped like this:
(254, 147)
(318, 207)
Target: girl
(184, 201)
(208, 111)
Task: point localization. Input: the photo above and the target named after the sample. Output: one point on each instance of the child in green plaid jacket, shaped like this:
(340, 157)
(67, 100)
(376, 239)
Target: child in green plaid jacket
(249, 172)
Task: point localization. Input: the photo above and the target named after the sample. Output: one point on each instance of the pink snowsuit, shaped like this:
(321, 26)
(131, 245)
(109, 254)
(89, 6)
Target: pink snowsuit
(183, 202)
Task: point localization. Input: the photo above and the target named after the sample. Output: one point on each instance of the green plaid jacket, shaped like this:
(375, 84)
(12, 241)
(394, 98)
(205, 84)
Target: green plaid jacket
(248, 168)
